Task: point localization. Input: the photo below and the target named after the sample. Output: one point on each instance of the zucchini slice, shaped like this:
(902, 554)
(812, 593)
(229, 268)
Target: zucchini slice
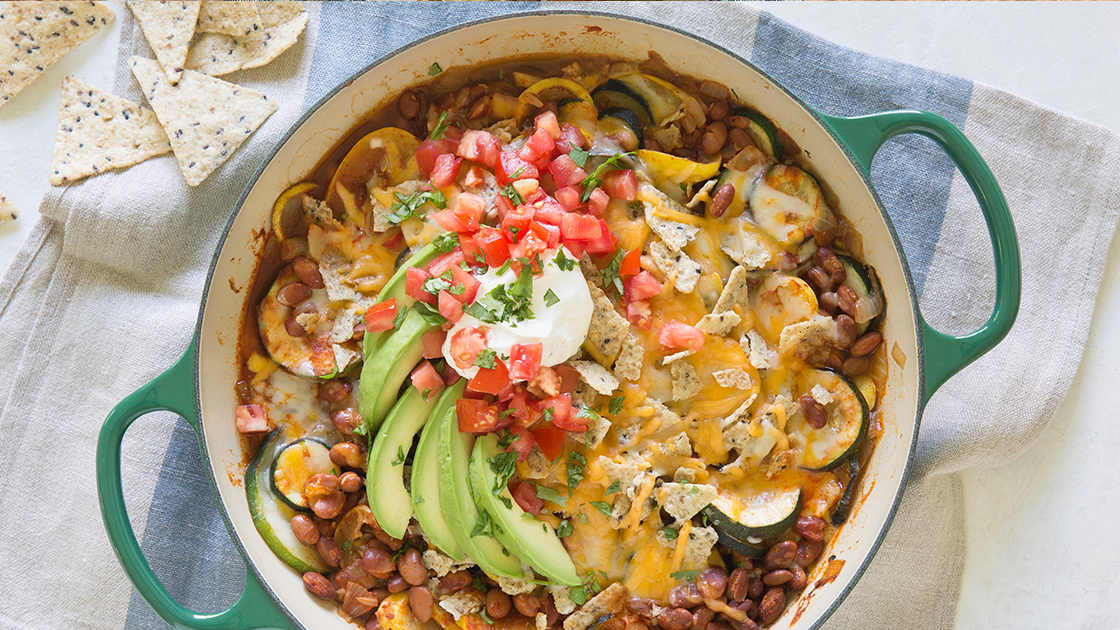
(749, 520)
(625, 125)
(293, 465)
(663, 100)
(614, 93)
(848, 417)
(298, 355)
(869, 293)
(762, 131)
(272, 518)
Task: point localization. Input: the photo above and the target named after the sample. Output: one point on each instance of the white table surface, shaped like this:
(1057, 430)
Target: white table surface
(1042, 549)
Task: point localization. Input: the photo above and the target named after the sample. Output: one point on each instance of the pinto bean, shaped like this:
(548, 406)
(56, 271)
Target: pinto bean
(737, 584)
(814, 412)
(308, 272)
(739, 139)
(411, 567)
(329, 551)
(305, 530)
(347, 454)
(845, 330)
(454, 582)
(820, 279)
(856, 366)
(685, 596)
(498, 604)
(714, 138)
(479, 108)
(846, 299)
(711, 582)
(640, 606)
(334, 390)
(781, 555)
(799, 579)
(739, 122)
(421, 602)
(746, 624)
(772, 605)
(548, 607)
(702, 617)
(527, 604)
(329, 506)
(718, 110)
(294, 328)
(807, 552)
(754, 591)
(866, 344)
(828, 303)
(350, 482)
(346, 421)
(408, 105)
(319, 585)
(396, 584)
(777, 577)
(810, 527)
(293, 293)
(378, 563)
(675, 619)
(721, 200)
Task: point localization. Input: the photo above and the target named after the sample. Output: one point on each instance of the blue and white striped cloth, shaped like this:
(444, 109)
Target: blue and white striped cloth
(105, 294)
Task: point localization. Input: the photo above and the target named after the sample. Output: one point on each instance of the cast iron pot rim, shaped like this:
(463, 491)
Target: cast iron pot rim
(267, 160)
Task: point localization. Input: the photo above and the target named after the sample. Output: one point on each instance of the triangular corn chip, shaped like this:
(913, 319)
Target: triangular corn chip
(168, 26)
(216, 54)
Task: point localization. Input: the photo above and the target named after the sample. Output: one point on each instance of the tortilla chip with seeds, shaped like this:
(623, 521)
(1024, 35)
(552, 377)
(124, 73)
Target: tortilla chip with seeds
(675, 234)
(597, 376)
(686, 382)
(99, 132)
(206, 119)
(733, 378)
(735, 292)
(607, 330)
(681, 270)
(168, 26)
(34, 35)
(216, 54)
(231, 18)
(8, 211)
(629, 364)
(719, 324)
(278, 12)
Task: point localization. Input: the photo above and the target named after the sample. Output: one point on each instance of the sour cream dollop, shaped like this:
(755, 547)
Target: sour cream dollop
(559, 328)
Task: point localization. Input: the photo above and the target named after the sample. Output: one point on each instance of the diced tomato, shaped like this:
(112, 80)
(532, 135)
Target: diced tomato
(474, 177)
(545, 380)
(503, 205)
(566, 172)
(597, 203)
(445, 262)
(480, 146)
(525, 494)
(606, 242)
(522, 442)
(527, 188)
(380, 316)
(490, 380)
(472, 253)
(641, 287)
(524, 361)
(568, 197)
(639, 314)
(506, 392)
(538, 148)
(395, 237)
(450, 376)
(631, 264)
(475, 416)
(511, 167)
(576, 248)
(621, 184)
(494, 246)
(516, 222)
(445, 170)
(569, 135)
(470, 208)
(414, 280)
(569, 378)
(450, 307)
(521, 411)
(449, 221)
(547, 210)
(532, 243)
(675, 335)
(252, 420)
(470, 284)
(430, 150)
(546, 120)
(466, 343)
(433, 344)
(580, 227)
(550, 440)
(427, 380)
(563, 414)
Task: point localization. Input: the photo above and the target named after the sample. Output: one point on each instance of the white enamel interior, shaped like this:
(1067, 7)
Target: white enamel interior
(570, 35)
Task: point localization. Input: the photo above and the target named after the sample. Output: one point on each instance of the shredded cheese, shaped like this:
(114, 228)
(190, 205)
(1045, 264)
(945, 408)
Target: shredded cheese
(633, 517)
(682, 544)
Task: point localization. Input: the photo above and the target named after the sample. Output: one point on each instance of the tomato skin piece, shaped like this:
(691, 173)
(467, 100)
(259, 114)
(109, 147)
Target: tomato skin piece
(516, 222)
(414, 285)
(580, 227)
(433, 344)
(569, 378)
(472, 253)
(446, 170)
(426, 378)
(475, 416)
(450, 307)
(474, 177)
(525, 495)
(631, 264)
(252, 420)
(547, 210)
(524, 361)
(621, 184)
(531, 244)
(490, 380)
(470, 208)
(597, 203)
(466, 343)
(550, 440)
(494, 246)
(675, 335)
(379, 317)
(640, 287)
(448, 220)
(605, 244)
(577, 248)
(639, 313)
(480, 146)
(523, 412)
(511, 167)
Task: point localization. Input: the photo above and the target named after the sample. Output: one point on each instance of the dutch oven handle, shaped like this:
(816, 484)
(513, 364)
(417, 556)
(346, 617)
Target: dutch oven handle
(945, 355)
(171, 391)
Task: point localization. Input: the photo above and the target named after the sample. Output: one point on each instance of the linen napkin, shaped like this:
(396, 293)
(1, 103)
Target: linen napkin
(104, 296)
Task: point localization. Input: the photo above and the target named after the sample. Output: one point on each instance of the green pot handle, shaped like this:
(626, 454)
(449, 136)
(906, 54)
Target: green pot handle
(171, 391)
(945, 355)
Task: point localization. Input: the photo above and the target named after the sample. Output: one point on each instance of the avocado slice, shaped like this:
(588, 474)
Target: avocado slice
(533, 541)
(389, 367)
(459, 507)
(388, 499)
(426, 501)
(394, 288)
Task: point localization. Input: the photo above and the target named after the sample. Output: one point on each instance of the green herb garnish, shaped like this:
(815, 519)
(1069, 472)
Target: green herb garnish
(562, 261)
(614, 488)
(509, 192)
(503, 465)
(405, 207)
(610, 275)
(615, 405)
(400, 456)
(434, 69)
(592, 181)
(550, 298)
(578, 155)
(564, 529)
(441, 127)
(603, 507)
(548, 494)
(486, 358)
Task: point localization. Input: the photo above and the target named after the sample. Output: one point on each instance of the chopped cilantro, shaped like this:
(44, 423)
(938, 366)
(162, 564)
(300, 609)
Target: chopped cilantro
(427, 392)
(434, 69)
(505, 266)
(576, 462)
(548, 494)
(603, 507)
(587, 412)
(441, 127)
(482, 525)
(615, 405)
(695, 491)
(400, 456)
(429, 313)
(506, 502)
(687, 576)
(578, 155)
(346, 545)
(405, 207)
(610, 272)
(503, 465)
(735, 94)
(550, 298)
(614, 487)
(508, 438)
(592, 181)
(509, 192)
(578, 595)
(505, 413)
(547, 413)
(562, 261)
(486, 358)
(457, 289)
(446, 242)
(564, 529)
(635, 205)
(400, 316)
(669, 533)
(435, 285)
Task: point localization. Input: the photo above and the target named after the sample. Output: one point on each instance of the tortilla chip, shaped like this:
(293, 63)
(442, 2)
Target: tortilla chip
(99, 132)
(278, 12)
(231, 18)
(206, 119)
(168, 26)
(629, 364)
(686, 382)
(672, 358)
(216, 54)
(597, 376)
(37, 34)
(733, 378)
(719, 324)
(735, 292)
(607, 330)
(8, 211)
(675, 234)
(681, 270)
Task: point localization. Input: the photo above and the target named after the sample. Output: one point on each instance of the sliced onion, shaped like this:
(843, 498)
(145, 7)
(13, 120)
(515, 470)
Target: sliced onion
(868, 308)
